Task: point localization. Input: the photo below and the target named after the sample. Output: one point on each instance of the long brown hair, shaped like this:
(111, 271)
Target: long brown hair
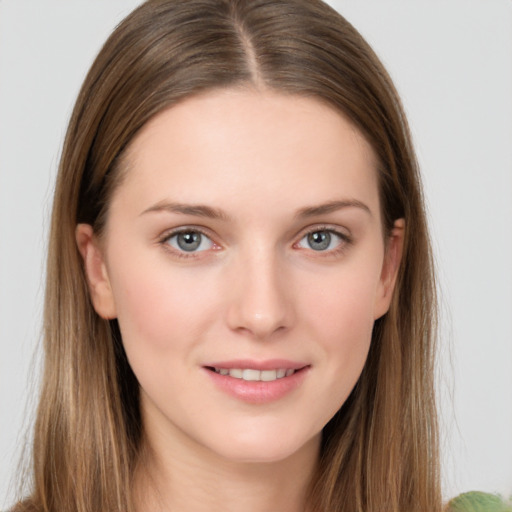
(379, 452)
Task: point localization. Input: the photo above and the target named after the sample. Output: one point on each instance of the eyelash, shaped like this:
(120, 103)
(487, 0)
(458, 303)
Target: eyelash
(345, 241)
(183, 254)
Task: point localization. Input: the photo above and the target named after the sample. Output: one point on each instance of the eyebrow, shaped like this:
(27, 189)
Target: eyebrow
(331, 206)
(199, 210)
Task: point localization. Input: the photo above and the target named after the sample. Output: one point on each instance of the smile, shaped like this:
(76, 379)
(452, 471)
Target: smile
(258, 382)
(250, 374)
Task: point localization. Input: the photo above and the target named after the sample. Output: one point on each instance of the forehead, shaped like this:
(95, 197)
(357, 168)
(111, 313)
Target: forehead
(230, 143)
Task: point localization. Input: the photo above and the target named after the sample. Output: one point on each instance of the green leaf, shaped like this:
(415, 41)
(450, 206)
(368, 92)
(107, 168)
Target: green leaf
(476, 501)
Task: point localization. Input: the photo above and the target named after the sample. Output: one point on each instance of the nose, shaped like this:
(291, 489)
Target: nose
(260, 301)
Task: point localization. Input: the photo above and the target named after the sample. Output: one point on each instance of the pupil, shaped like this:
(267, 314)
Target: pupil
(319, 240)
(189, 241)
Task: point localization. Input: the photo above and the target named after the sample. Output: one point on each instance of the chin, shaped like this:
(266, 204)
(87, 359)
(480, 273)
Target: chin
(266, 449)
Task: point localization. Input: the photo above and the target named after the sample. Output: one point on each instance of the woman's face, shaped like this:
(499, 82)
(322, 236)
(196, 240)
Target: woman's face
(245, 261)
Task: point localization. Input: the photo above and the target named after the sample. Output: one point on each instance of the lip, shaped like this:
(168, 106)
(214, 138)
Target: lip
(258, 392)
(268, 364)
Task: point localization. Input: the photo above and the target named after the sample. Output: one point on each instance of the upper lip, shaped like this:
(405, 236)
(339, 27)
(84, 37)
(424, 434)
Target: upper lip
(268, 364)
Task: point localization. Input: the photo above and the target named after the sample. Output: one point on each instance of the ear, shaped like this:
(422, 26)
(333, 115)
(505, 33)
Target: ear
(95, 271)
(390, 267)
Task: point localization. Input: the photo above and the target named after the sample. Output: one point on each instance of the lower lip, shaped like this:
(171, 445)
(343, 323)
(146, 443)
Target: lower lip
(258, 392)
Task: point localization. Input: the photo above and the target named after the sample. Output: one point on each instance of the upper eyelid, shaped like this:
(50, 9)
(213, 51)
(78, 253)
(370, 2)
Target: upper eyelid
(342, 232)
(165, 235)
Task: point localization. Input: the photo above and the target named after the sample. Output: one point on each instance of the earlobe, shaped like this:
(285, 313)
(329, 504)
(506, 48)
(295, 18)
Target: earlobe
(390, 267)
(96, 271)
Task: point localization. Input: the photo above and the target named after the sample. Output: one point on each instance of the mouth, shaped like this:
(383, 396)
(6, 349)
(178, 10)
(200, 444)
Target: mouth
(252, 375)
(258, 382)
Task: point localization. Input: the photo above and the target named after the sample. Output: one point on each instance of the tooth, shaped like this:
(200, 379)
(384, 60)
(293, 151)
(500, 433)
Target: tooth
(251, 375)
(268, 375)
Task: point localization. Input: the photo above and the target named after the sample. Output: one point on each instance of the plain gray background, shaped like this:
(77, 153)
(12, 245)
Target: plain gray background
(452, 63)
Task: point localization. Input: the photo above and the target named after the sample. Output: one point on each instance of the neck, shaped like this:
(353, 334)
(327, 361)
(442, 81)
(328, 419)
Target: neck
(179, 479)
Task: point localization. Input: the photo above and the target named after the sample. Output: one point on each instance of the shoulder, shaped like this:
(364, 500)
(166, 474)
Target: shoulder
(476, 501)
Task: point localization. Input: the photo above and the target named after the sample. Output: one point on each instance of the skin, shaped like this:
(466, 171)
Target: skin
(256, 288)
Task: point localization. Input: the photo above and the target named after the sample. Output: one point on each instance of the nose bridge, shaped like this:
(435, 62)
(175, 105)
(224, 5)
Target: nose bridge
(260, 301)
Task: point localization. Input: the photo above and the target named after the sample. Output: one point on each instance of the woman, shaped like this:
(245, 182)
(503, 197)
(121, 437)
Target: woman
(240, 303)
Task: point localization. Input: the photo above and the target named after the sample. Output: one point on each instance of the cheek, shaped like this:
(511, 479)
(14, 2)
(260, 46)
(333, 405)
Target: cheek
(338, 318)
(159, 309)
(341, 320)
(348, 336)
(344, 302)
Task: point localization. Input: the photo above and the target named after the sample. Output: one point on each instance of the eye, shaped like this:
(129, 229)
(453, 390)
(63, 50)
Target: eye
(321, 240)
(189, 241)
